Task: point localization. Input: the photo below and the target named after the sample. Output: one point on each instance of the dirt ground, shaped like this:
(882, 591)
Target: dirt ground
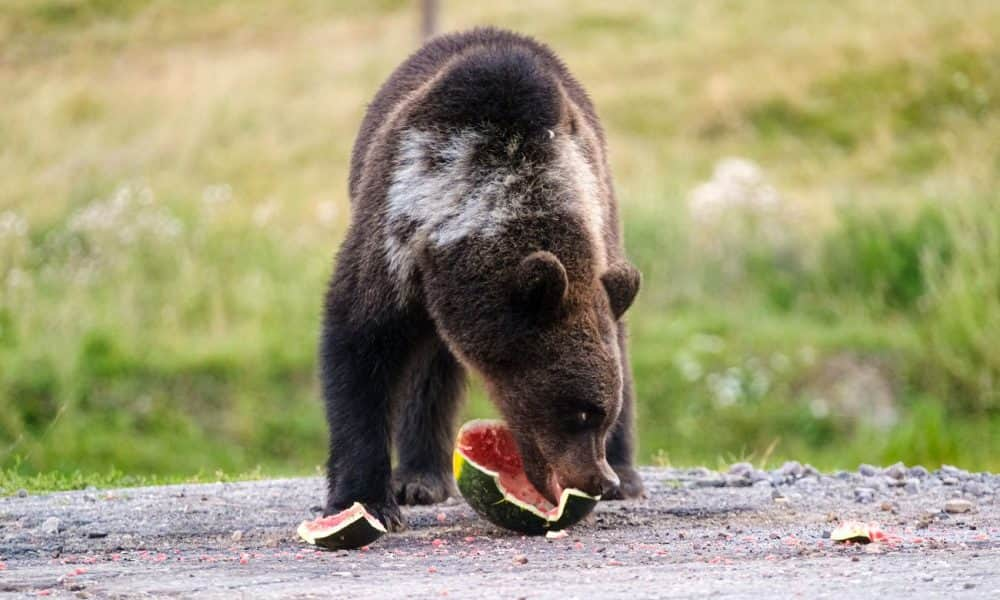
(745, 533)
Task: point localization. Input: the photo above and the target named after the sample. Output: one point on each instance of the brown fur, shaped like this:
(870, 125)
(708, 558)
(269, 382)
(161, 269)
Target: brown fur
(528, 290)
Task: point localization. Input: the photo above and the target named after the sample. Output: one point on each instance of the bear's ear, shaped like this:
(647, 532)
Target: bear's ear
(541, 283)
(621, 282)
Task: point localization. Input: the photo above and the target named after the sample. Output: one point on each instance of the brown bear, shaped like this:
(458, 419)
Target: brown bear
(484, 237)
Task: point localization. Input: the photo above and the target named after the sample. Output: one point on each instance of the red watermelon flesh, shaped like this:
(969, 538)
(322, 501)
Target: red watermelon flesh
(333, 521)
(493, 447)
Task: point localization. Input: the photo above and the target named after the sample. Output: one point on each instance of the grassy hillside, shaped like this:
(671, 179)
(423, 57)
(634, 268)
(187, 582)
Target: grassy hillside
(811, 191)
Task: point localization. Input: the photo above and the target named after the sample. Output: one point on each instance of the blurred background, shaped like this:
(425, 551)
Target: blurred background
(810, 189)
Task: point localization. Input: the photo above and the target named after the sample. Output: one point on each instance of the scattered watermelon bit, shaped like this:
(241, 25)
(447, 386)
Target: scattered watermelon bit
(861, 533)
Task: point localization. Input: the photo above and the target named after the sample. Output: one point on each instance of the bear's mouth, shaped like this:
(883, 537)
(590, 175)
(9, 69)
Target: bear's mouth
(553, 488)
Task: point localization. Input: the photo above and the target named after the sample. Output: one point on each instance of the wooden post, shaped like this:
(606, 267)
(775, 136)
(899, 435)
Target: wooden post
(428, 18)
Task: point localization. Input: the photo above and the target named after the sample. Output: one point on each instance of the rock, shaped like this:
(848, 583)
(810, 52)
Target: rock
(51, 526)
(22, 493)
(912, 485)
(896, 471)
(891, 482)
(958, 505)
(917, 471)
(758, 476)
(791, 469)
(736, 481)
(864, 495)
(237, 535)
(974, 488)
(949, 481)
(520, 559)
(810, 471)
(842, 475)
(867, 470)
(741, 469)
(953, 471)
(713, 482)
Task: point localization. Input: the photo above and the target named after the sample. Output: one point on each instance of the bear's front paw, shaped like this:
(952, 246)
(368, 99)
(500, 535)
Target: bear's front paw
(630, 485)
(387, 513)
(411, 487)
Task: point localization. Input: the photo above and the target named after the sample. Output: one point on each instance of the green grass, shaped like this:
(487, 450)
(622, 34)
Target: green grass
(175, 187)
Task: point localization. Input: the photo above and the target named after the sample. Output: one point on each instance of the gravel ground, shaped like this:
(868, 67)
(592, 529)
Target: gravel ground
(743, 533)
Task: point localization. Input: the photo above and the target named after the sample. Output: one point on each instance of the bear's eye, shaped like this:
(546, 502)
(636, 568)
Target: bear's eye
(583, 417)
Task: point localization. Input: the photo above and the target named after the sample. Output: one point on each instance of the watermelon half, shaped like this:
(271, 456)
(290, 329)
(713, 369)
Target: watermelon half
(352, 527)
(490, 475)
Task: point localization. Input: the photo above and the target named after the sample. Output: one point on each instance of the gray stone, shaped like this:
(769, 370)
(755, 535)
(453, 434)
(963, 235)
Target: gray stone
(953, 471)
(864, 495)
(22, 493)
(51, 526)
(896, 471)
(958, 505)
(737, 481)
(912, 486)
(917, 471)
(711, 482)
(741, 469)
(792, 468)
(867, 470)
(974, 488)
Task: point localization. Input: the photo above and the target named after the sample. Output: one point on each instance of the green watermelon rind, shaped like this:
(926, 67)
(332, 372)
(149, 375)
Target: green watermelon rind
(483, 491)
(359, 530)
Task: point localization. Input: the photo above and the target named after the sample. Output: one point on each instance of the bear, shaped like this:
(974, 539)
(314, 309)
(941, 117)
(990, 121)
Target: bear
(484, 237)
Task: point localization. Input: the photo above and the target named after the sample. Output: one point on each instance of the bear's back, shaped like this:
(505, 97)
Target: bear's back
(481, 78)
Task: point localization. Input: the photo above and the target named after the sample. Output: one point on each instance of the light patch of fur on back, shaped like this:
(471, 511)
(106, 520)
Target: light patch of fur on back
(441, 204)
(589, 202)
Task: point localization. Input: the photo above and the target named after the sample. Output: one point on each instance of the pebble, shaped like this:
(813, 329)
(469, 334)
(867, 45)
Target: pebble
(949, 481)
(743, 469)
(22, 493)
(953, 471)
(917, 471)
(896, 471)
(792, 468)
(958, 505)
(974, 488)
(867, 470)
(712, 482)
(520, 559)
(864, 495)
(51, 526)
(737, 481)
(237, 535)
(912, 486)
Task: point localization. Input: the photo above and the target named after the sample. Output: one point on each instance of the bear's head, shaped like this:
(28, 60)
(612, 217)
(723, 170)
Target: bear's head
(544, 333)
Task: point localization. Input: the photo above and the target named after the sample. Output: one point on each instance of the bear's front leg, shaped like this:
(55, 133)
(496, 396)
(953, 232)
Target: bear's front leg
(360, 362)
(621, 439)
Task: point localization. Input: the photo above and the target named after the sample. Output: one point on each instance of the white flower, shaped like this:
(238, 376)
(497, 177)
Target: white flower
(12, 225)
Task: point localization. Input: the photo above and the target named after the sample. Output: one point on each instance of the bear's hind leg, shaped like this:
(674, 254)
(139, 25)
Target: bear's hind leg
(425, 426)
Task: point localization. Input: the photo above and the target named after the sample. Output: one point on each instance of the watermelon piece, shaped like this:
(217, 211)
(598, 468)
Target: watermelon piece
(351, 528)
(858, 532)
(490, 475)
